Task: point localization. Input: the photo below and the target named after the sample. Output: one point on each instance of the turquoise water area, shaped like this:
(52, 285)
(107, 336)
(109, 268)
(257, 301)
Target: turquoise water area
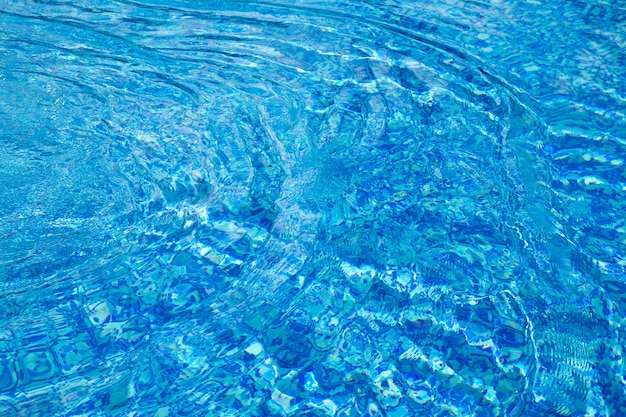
(312, 208)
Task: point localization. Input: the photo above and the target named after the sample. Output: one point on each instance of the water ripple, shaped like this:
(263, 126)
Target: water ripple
(324, 208)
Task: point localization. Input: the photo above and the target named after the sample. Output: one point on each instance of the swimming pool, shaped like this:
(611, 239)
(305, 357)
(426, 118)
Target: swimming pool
(312, 208)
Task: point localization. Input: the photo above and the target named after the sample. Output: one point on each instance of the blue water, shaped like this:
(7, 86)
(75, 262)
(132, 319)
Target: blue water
(323, 208)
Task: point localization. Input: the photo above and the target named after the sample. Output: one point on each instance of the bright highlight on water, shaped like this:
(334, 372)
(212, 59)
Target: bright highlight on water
(312, 208)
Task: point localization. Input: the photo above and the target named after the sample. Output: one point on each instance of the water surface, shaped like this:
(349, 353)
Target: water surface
(312, 208)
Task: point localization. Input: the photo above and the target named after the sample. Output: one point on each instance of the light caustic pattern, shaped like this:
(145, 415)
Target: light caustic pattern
(312, 208)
